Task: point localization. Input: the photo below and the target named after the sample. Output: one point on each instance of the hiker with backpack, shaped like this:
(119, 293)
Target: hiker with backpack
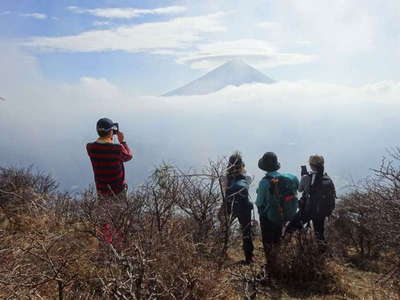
(277, 204)
(237, 203)
(319, 195)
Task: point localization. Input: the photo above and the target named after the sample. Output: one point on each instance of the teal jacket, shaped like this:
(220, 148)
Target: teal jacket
(237, 195)
(267, 203)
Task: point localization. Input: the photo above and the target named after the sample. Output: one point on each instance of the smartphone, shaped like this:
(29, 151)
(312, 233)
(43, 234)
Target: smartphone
(304, 170)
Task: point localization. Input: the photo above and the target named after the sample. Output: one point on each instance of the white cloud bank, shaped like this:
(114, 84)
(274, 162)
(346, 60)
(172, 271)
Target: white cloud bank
(48, 124)
(256, 52)
(184, 38)
(127, 13)
(178, 33)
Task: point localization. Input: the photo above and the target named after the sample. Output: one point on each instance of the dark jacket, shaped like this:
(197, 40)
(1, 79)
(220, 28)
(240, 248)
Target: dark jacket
(237, 195)
(318, 196)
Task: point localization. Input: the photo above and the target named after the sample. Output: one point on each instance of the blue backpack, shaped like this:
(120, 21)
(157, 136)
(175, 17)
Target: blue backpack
(283, 202)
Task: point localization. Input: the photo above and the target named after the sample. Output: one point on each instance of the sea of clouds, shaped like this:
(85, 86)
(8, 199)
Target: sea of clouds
(48, 124)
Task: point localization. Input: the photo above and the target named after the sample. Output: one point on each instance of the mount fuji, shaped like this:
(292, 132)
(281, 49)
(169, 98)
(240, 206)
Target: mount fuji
(234, 72)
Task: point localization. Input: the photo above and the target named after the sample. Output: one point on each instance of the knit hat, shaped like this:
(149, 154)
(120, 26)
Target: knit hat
(269, 162)
(316, 160)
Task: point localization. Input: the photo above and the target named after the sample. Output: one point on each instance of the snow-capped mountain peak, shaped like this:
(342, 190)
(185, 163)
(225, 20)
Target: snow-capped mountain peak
(234, 72)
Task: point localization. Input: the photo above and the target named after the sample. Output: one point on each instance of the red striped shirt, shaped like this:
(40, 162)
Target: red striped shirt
(108, 166)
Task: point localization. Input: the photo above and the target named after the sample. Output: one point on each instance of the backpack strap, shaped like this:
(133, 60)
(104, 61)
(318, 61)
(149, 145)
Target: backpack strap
(274, 190)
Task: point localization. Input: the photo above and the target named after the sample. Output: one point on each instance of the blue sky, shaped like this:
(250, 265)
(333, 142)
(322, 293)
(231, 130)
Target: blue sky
(149, 47)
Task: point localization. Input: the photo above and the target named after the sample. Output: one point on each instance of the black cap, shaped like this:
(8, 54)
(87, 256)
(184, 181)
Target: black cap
(104, 125)
(269, 162)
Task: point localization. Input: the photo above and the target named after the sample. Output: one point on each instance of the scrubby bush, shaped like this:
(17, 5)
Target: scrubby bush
(365, 228)
(163, 239)
(368, 218)
(166, 239)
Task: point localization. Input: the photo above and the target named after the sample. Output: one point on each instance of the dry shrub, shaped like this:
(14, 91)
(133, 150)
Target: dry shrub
(306, 263)
(366, 224)
(304, 268)
(367, 219)
(20, 179)
(169, 269)
(168, 242)
(45, 259)
(163, 246)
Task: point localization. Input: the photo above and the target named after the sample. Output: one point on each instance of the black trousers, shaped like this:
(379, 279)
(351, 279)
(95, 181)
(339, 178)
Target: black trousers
(319, 227)
(271, 232)
(244, 217)
(318, 224)
(271, 236)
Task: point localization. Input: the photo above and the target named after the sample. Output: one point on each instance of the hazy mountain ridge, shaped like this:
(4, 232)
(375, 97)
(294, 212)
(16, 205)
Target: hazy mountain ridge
(234, 72)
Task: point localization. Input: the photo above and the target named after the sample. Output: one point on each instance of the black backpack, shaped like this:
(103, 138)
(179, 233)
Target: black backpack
(322, 197)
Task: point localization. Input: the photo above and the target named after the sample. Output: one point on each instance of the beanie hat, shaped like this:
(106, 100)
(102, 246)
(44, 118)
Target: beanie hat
(269, 162)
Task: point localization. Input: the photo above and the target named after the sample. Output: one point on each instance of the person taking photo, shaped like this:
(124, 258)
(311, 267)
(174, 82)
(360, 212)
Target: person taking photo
(108, 159)
(319, 193)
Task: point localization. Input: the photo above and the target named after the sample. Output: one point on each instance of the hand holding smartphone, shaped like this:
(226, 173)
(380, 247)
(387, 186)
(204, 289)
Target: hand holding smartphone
(304, 170)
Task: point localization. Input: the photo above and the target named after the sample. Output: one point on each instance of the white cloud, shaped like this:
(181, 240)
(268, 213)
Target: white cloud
(178, 33)
(256, 52)
(99, 88)
(127, 13)
(5, 13)
(101, 23)
(270, 25)
(304, 43)
(38, 16)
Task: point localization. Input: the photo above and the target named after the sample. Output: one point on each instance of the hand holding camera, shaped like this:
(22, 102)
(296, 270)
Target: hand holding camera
(120, 136)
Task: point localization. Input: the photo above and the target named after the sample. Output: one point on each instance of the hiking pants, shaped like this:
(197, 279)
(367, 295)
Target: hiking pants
(319, 227)
(271, 236)
(244, 217)
(271, 232)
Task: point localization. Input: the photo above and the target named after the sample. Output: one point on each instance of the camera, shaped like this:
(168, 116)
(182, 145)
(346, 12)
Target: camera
(115, 128)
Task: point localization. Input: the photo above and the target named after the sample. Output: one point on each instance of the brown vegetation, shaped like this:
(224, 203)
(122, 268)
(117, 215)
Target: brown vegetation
(168, 243)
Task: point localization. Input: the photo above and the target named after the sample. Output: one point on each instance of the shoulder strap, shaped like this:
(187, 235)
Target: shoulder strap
(310, 183)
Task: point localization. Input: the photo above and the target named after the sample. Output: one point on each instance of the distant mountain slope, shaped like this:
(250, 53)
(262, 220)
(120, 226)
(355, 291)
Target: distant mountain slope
(235, 72)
